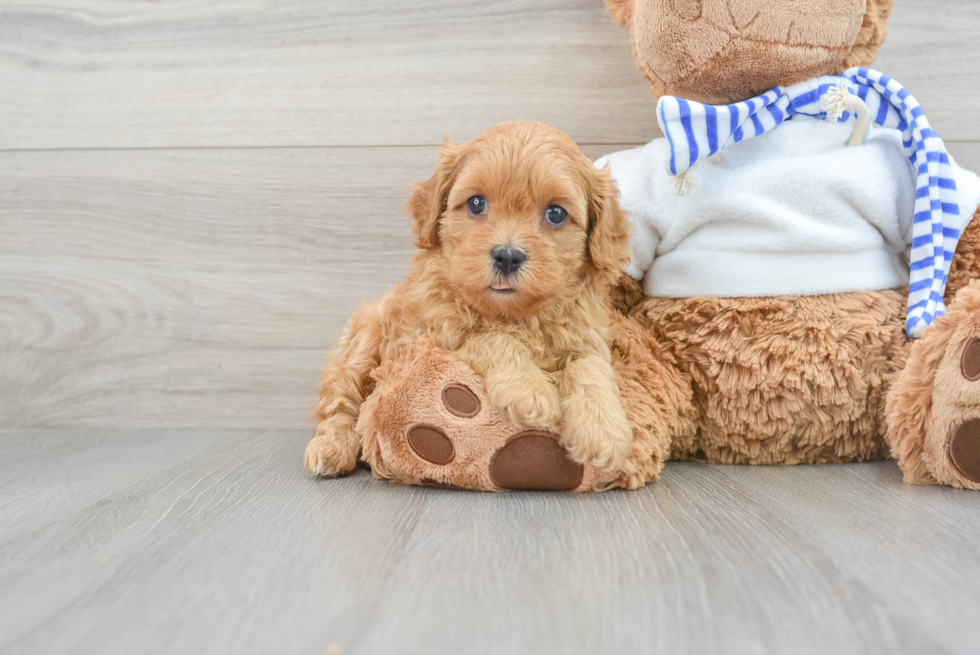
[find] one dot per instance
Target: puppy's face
(514, 232)
(521, 219)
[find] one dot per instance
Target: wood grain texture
(344, 72)
(95, 74)
(193, 541)
(195, 287)
(159, 288)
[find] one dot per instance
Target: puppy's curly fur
(542, 345)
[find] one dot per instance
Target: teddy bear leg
(429, 422)
(933, 406)
(933, 402)
(658, 401)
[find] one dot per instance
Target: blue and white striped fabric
(696, 131)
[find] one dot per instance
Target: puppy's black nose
(507, 259)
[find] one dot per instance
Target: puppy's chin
(505, 300)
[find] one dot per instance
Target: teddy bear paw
(530, 459)
(963, 444)
(933, 407)
(432, 423)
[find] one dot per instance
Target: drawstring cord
(838, 100)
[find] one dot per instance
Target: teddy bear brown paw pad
(429, 422)
(431, 443)
(963, 449)
(535, 460)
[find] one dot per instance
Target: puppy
(520, 240)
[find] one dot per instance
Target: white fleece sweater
(790, 212)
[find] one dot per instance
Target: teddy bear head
(724, 51)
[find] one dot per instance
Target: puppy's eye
(555, 215)
(476, 206)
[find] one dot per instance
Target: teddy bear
(804, 278)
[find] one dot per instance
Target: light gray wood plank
(347, 72)
(177, 541)
(189, 287)
(932, 49)
(195, 288)
(926, 533)
(87, 73)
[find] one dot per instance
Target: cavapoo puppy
(520, 240)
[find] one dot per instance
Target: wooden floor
(195, 194)
(207, 541)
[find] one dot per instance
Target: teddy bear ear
(621, 11)
(429, 199)
(874, 29)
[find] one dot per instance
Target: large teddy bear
(767, 309)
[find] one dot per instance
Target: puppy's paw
(603, 439)
(328, 454)
(532, 402)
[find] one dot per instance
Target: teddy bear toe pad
(970, 360)
(460, 400)
(431, 444)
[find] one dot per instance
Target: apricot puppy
(520, 239)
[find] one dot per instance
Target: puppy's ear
(609, 232)
(428, 202)
(621, 11)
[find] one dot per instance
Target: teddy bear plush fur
(771, 380)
